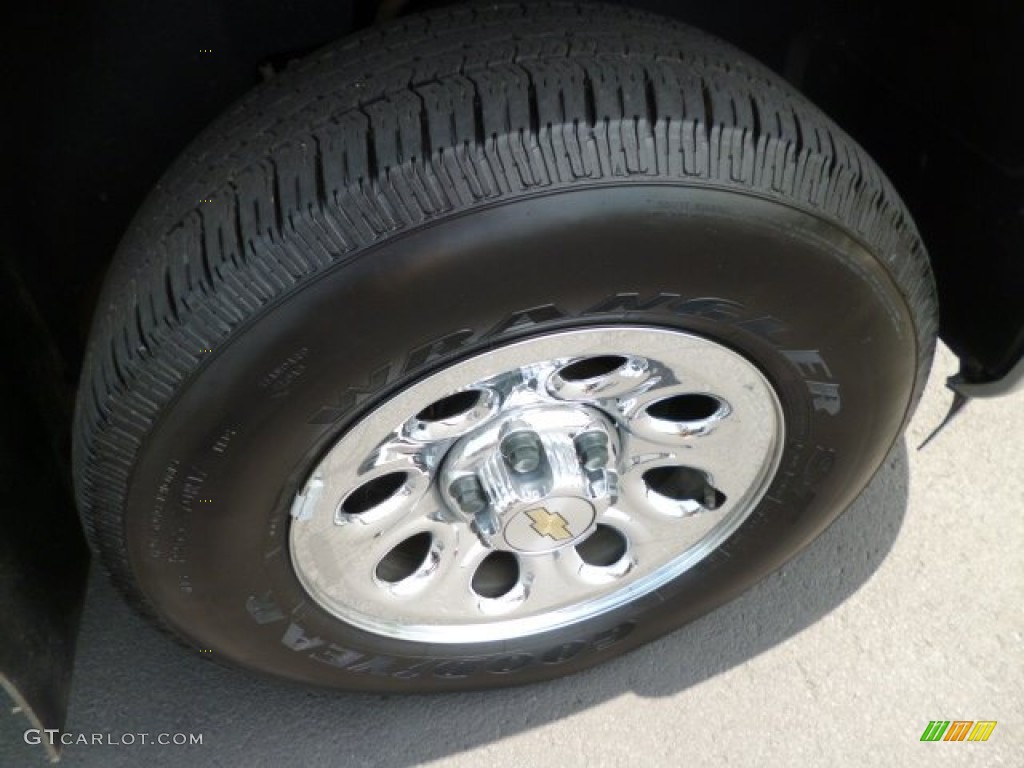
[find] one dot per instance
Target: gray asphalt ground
(907, 610)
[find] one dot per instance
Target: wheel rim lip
(593, 342)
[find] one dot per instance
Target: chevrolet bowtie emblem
(550, 524)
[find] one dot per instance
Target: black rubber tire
(436, 187)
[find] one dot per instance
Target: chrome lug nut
(522, 451)
(469, 494)
(486, 523)
(592, 449)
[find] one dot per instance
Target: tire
(439, 190)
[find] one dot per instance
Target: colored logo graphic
(550, 524)
(958, 730)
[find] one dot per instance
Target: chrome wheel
(536, 485)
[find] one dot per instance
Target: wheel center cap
(557, 522)
(536, 480)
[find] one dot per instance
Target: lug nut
(469, 494)
(522, 451)
(592, 449)
(486, 522)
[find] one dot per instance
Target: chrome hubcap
(536, 485)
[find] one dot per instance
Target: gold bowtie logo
(550, 524)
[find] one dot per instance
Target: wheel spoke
(633, 521)
(651, 535)
(361, 546)
(552, 578)
(448, 589)
(640, 453)
(717, 452)
(398, 454)
(442, 584)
